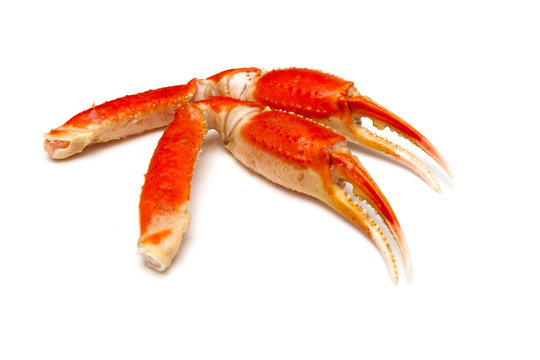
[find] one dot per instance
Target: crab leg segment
(118, 118)
(163, 207)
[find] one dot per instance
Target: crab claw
(361, 106)
(302, 155)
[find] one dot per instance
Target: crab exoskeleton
(290, 125)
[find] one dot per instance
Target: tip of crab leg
(364, 106)
(346, 168)
(151, 260)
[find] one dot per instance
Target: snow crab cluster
(289, 125)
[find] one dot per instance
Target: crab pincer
(287, 149)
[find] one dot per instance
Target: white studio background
(265, 273)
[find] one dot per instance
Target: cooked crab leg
(293, 152)
(163, 207)
(118, 118)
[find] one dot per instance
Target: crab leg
(118, 118)
(293, 152)
(163, 207)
